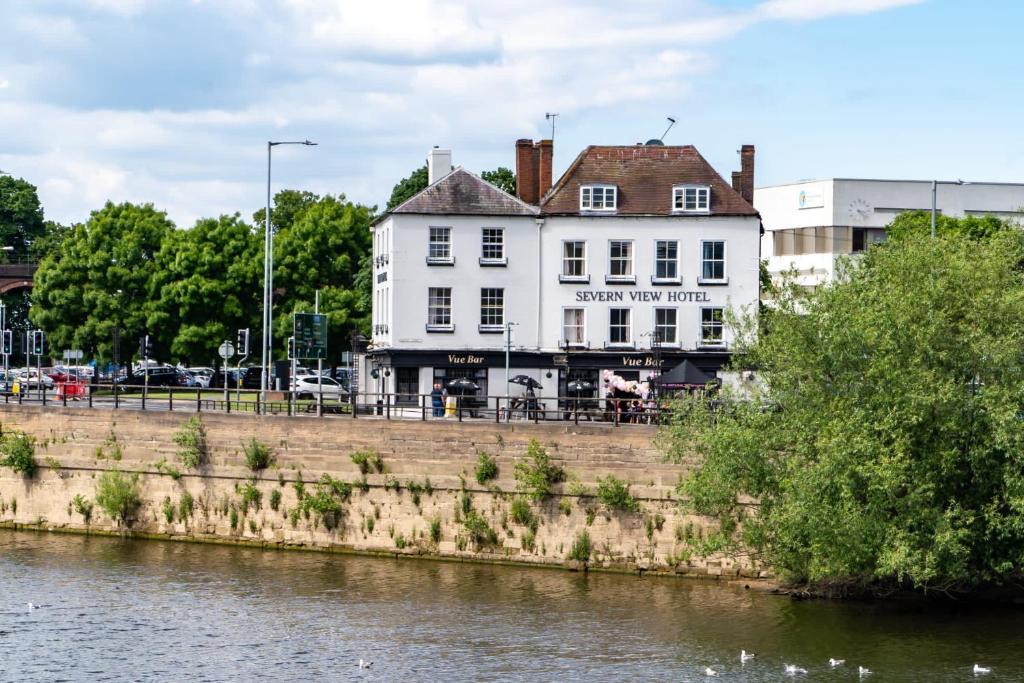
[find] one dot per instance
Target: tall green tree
(328, 247)
(502, 178)
(919, 223)
(887, 445)
(208, 284)
(408, 187)
(21, 217)
(100, 280)
(288, 205)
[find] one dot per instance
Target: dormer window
(691, 198)
(598, 198)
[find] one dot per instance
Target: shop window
(407, 386)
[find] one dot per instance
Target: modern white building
(808, 224)
(627, 264)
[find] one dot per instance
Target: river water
(115, 610)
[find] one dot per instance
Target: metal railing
(387, 406)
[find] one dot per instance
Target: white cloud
(817, 9)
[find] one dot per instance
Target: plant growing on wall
(581, 549)
(480, 532)
(191, 439)
(614, 494)
(118, 495)
(258, 455)
(19, 453)
(535, 474)
(486, 469)
(82, 506)
(185, 506)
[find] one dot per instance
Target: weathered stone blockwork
(74, 446)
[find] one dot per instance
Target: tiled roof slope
(645, 175)
(462, 193)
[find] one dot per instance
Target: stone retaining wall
(74, 447)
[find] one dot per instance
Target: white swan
(836, 662)
(364, 664)
(792, 669)
(708, 671)
(861, 671)
(978, 670)
(746, 656)
(32, 607)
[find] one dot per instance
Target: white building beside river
(628, 263)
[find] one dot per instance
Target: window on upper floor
(439, 249)
(712, 327)
(620, 327)
(574, 326)
(439, 309)
(712, 262)
(666, 328)
(492, 247)
(691, 198)
(598, 197)
(620, 261)
(492, 309)
(574, 262)
(666, 261)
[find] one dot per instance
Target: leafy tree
(208, 284)
(287, 207)
(21, 216)
(408, 187)
(919, 223)
(502, 178)
(887, 445)
(100, 279)
(327, 248)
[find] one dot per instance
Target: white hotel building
(627, 263)
(808, 224)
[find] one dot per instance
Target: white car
(30, 379)
(202, 375)
(307, 387)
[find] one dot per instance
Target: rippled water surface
(118, 610)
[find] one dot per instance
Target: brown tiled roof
(644, 175)
(462, 193)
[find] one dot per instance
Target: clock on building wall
(858, 210)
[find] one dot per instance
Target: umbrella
(526, 381)
(462, 386)
(684, 375)
(578, 386)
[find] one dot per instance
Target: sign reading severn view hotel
(655, 296)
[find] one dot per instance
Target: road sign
(73, 354)
(310, 330)
(226, 350)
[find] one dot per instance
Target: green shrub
(370, 523)
(172, 472)
(19, 453)
(529, 540)
(435, 530)
(399, 541)
(565, 506)
(82, 506)
(275, 499)
(362, 484)
(251, 495)
(337, 487)
(362, 460)
(536, 474)
(428, 488)
(521, 512)
(614, 494)
(391, 482)
(300, 490)
(233, 518)
(486, 468)
(191, 439)
(118, 495)
(293, 517)
(258, 455)
(466, 503)
(168, 509)
(185, 506)
(480, 532)
(415, 489)
(377, 462)
(580, 550)
(576, 488)
(252, 526)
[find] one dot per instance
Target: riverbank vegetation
(884, 448)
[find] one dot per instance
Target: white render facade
(633, 286)
(809, 224)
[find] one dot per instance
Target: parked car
(310, 387)
(202, 375)
(158, 377)
(30, 378)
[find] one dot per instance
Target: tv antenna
(671, 122)
(548, 116)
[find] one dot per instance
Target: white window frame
(565, 341)
(674, 280)
(724, 280)
(488, 307)
(565, 277)
(439, 260)
(628, 277)
(701, 199)
(587, 197)
(486, 260)
(434, 326)
(675, 326)
(629, 328)
(704, 341)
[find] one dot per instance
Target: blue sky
(172, 101)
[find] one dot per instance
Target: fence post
(355, 404)
(89, 390)
(423, 407)
(170, 399)
(144, 391)
(228, 403)
(387, 406)
(44, 389)
(615, 407)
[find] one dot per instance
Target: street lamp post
(268, 272)
(508, 353)
(935, 187)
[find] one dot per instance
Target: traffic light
(243, 342)
(38, 342)
(145, 347)
(8, 343)
(291, 348)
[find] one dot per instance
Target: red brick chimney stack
(533, 169)
(743, 180)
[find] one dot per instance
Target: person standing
(437, 400)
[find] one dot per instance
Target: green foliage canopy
(887, 446)
(502, 178)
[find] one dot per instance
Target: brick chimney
(743, 179)
(533, 169)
